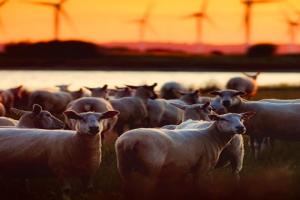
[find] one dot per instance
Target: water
(41, 79)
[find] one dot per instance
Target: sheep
(147, 155)
(133, 110)
(268, 120)
(187, 98)
(170, 90)
(232, 154)
(2, 110)
(63, 87)
(37, 118)
(122, 92)
(63, 153)
(55, 101)
(13, 96)
(244, 84)
(86, 104)
(99, 91)
(191, 114)
(195, 111)
(7, 122)
(162, 113)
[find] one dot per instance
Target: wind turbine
(248, 16)
(59, 12)
(200, 16)
(144, 24)
(293, 27)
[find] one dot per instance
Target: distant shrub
(262, 50)
(216, 53)
(53, 49)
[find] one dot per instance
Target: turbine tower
(59, 12)
(143, 24)
(248, 16)
(293, 27)
(200, 17)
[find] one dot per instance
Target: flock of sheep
(174, 139)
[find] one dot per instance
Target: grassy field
(275, 176)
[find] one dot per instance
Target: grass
(275, 176)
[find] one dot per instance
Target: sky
(108, 21)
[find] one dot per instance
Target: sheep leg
(236, 166)
(66, 188)
(87, 183)
(252, 145)
(258, 148)
(138, 186)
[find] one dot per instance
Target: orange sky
(106, 20)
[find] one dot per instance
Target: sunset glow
(107, 21)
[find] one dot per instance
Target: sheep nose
(240, 129)
(226, 103)
(94, 130)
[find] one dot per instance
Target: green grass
(276, 175)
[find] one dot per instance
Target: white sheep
(246, 84)
(274, 120)
(92, 104)
(63, 153)
(162, 113)
(37, 118)
(101, 92)
(197, 116)
(186, 98)
(170, 90)
(7, 122)
(55, 101)
(146, 156)
(133, 110)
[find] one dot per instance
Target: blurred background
(209, 35)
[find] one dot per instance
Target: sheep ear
(182, 107)
(109, 114)
(153, 86)
(70, 114)
(214, 117)
(37, 109)
(132, 87)
(205, 105)
(248, 115)
(105, 87)
(181, 93)
(216, 93)
(239, 93)
(196, 92)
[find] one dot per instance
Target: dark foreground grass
(275, 176)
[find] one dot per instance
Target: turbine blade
(3, 3)
(134, 21)
(148, 11)
(190, 16)
(209, 20)
(62, 2)
(266, 1)
(152, 29)
(67, 17)
(204, 5)
(42, 3)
